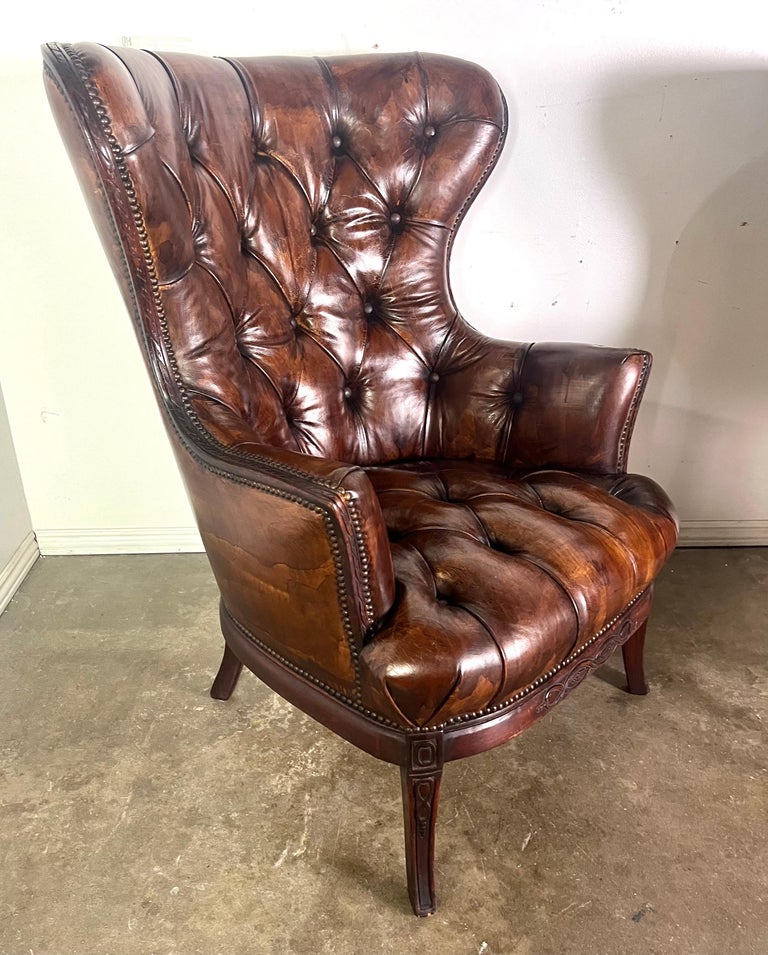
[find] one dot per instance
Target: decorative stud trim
(570, 682)
(300, 671)
(248, 457)
(521, 694)
(626, 431)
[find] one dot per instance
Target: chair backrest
(293, 219)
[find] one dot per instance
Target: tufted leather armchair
(423, 537)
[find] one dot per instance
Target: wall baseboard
(723, 533)
(119, 540)
(186, 540)
(13, 574)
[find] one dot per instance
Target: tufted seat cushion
(500, 575)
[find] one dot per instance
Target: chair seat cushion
(500, 575)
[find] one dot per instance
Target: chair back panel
(300, 214)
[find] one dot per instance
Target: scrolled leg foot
(632, 652)
(421, 790)
(227, 677)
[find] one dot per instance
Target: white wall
(639, 146)
(18, 549)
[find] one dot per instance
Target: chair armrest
(545, 405)
(298, 547)
(577, 407)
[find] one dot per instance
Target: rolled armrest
(576, 407)
(297, 545)
(545, 405)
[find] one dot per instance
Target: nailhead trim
(330, 530)
(125, 176)
(357, 525)
(122, 169)
(336, 694)
(456, 720)
(625, 431)
(545, 677)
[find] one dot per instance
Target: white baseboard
(186, 540)
(723, 533)
(119, 540)
(13, 574)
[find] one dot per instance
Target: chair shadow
(691, 151)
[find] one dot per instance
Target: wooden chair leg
(227, 677)
(421, 790)
(632, 651)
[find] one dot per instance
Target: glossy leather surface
(501, 575)
(413, 515)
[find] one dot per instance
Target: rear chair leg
(227, 677)
(421, 790)
(632, 651)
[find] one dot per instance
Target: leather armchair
(423, 537)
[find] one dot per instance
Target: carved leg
(226, 678)
(632, 651)
(421, 789)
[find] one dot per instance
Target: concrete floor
(140, 816)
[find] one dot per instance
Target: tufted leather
(502, 575)
(420, 518)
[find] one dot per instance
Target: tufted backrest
(299, 214)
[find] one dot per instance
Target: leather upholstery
(502, 575)
(419, 518)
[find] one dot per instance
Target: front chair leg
(227, 677)
(421, 790)
(632, 651)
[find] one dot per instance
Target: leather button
(395, 219)
(517, 398)
(434, 376)
(347, 392)
(313, 230)
(294, 323)
(337, 142)
(429, 131)
(368, 308)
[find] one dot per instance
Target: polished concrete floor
(140, 816)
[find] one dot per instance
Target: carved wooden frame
(422, 753)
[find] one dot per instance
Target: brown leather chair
(423, 537)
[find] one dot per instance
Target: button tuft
(368, 308)
(395, 219)
(434, 376)
(347, 392)
(337, 142)
(429, 131)
(517, 398)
